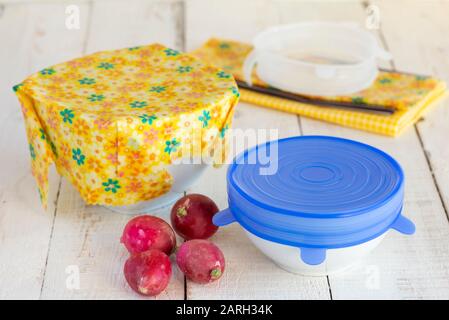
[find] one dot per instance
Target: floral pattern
(223, 75)
(96, 97)
(235, 91)
(32, 152)
(407, 95)
(224, 45)
(105, 66)
(223, 131)
(111, 185)
(157, 89)
(112, 129)
(17, 87)
(184, 69)
(171, 52)
(67, 115)
(147, 119)
(87, 81)
(138, 104)
(43, 135)
(48, 71)
(78, 156)
(394, 90)
(171, 145)
(204, 118)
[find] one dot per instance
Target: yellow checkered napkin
(408, 95)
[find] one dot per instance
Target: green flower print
(171, 145)
(16, 87)
(204, 118)
(43, 136)
(147, 119)
(78, 156)
(223, 131)
(420, 78)
(184, 69)
(223, 75)
(67, 115)
(157, 89)
(138, 104)
(87, 81)
(32, 152)
(95, 97)
(50, 143)
(385, 81)
(171, 52)
(134, 48)
(111, 185)
(105, 66)
(53, 148)
(358, 100)
(235, 91)
(48, 71)
(224, 45)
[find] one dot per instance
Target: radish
(148, 273)
(200, 260)
(148, 232)
(191, 217)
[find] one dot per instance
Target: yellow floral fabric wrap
(112, 121)
(408, 95)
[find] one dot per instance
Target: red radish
(149, 272)
(200, 260)
(148, 232)
(191, 217)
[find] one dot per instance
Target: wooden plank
(402, 267)
(117, 25)
(249, 274)
(86, 238)
(426, 52)
(236, 20)
(25, 229)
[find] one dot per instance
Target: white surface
(316, 58)
(42, 247)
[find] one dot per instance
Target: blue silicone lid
(315, 193)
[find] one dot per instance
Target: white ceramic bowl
(329, 204)
(337, 260)
(184, 176)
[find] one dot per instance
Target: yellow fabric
(112, 121)
(408, 95)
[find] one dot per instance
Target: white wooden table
(41, 252)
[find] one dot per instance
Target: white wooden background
(37, 249)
